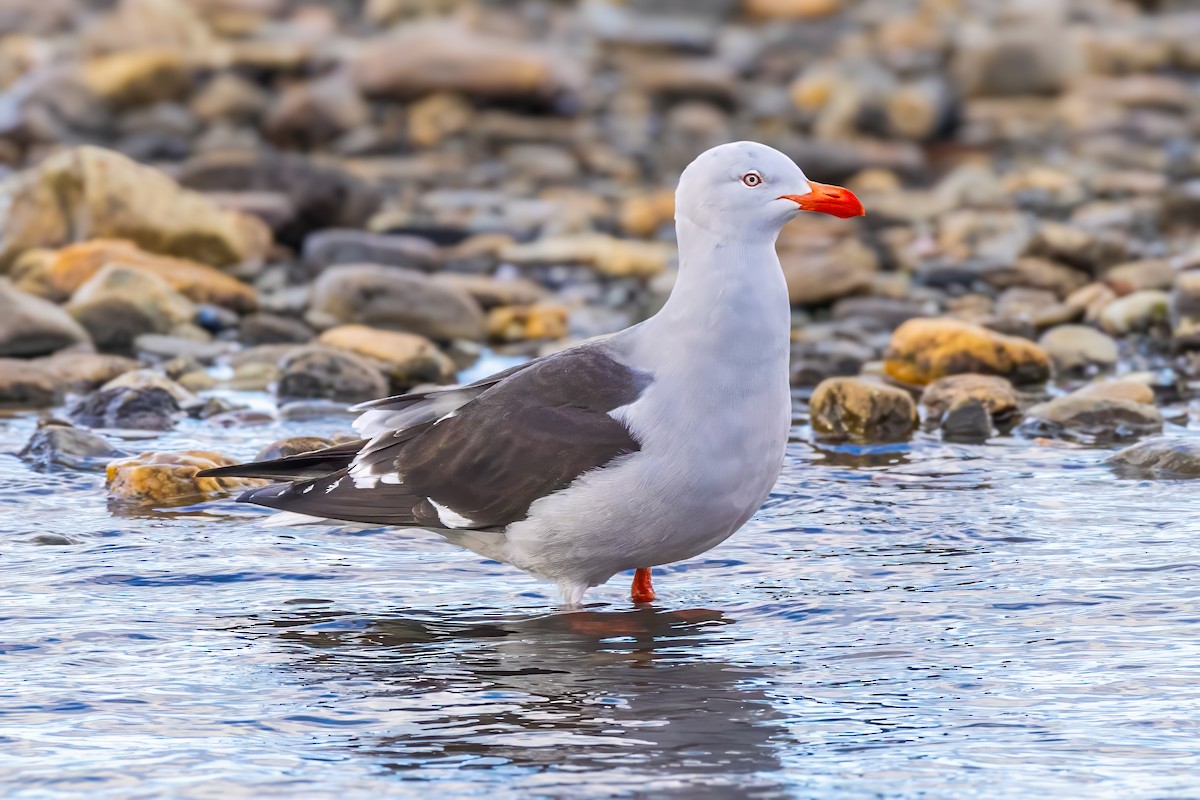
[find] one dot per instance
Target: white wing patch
(449, 517)
(286, 518)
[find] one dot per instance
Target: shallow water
(919, 620)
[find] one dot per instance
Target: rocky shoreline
(332, 202)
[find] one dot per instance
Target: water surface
(917, 620)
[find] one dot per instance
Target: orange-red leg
(643, 590)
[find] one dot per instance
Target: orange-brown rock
(171, 477)
(58, 276)
(643, 214)
(137, 76)
(924, 349)
(521, 323)
(406, 358)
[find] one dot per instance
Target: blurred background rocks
(333, 200)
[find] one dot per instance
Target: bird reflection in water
(634, 701)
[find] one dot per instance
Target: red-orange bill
(827, 199)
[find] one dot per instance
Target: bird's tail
(302, 466)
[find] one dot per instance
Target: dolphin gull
(646, 447)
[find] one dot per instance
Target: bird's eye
(752, 179)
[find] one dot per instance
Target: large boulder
(861, 410)
(31, 326)
(406, 358)
(924, 349)
(397, 299)
(171, 478)
(88, 192)
(120, 303)
(59, 275)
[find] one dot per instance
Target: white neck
(730, 301)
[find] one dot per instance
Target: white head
(745, 188)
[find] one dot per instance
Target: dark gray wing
(387, 420)
(482, 465)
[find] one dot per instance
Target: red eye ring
(752, 179)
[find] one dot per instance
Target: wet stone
(65, 446)
(1166, 457)
(994, 394)
(291, 446)
(1092, 420)
(861, 410)
(967, 421)
(170, 478)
